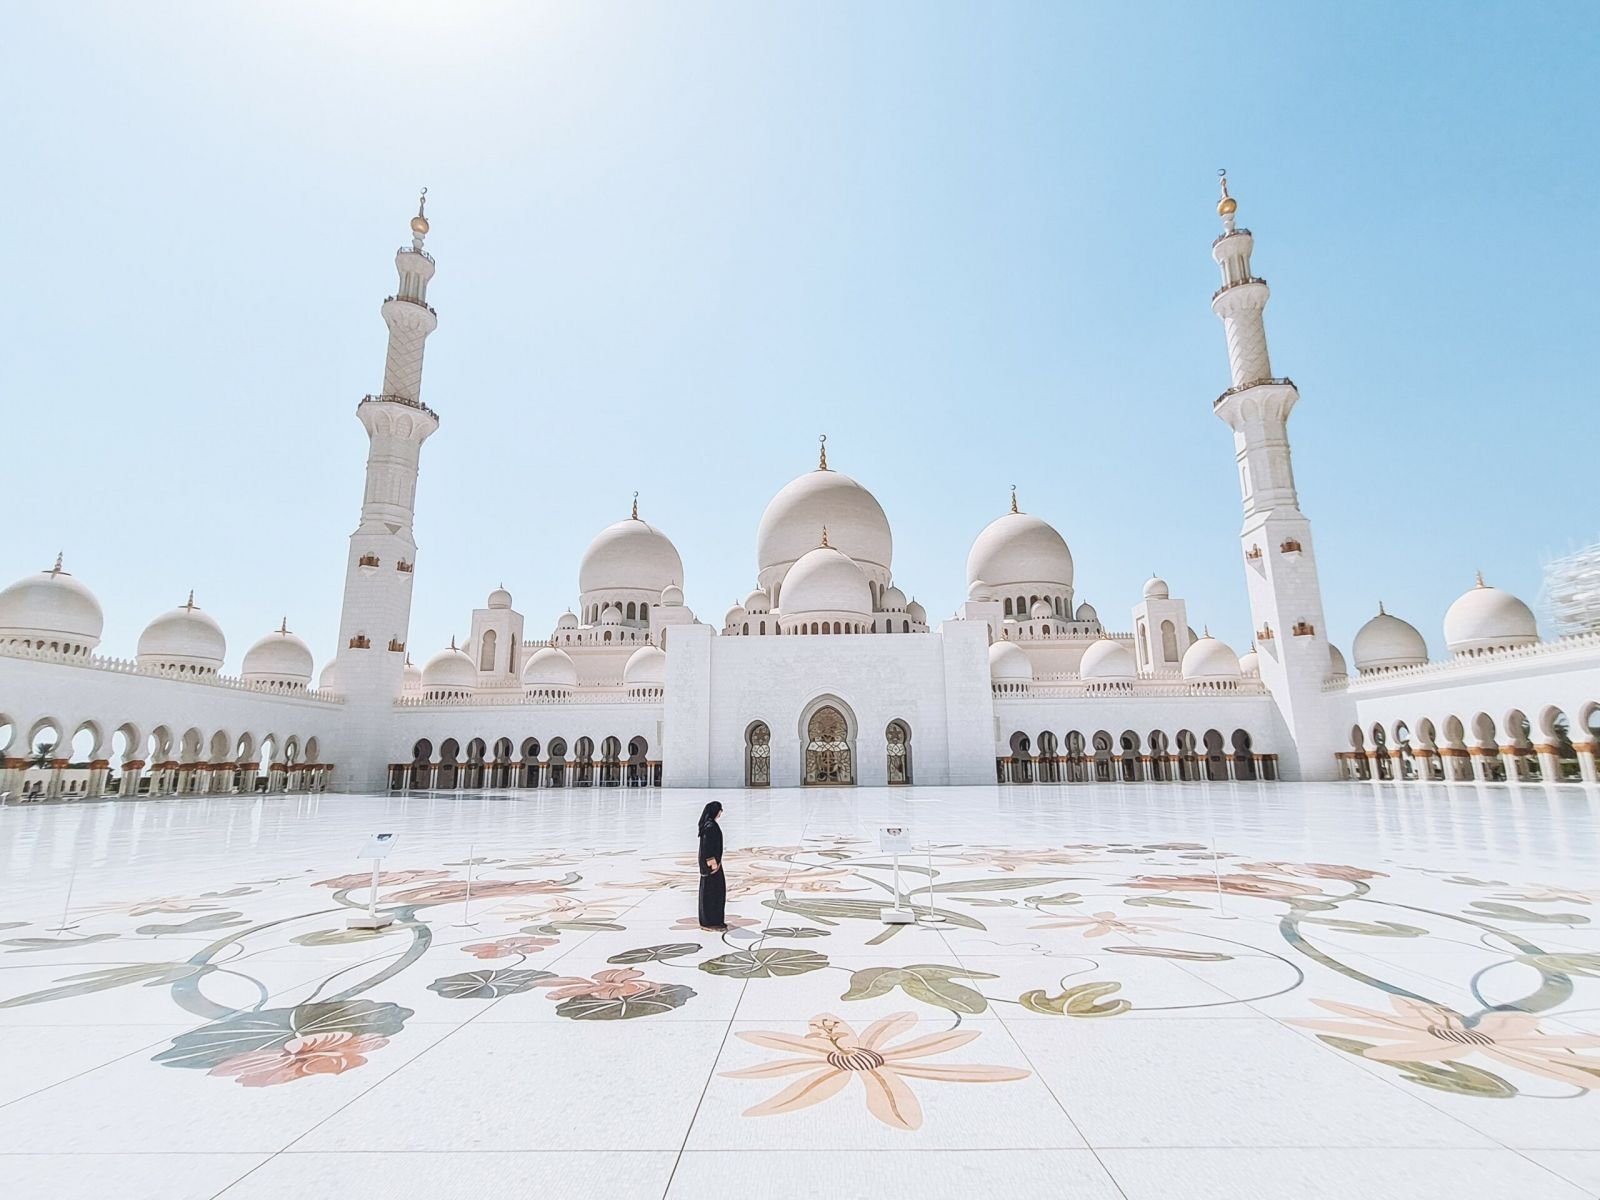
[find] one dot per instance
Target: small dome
(1086, 612)
(825, 580)
(631, 554)
(1041, 610)
(1250, 663)
(891, 599)
(185, 638)
(1336, 664)
(499, 598)
(328, 681)
(1210, 659)
(450, 670)
(647, 665)
(917, 613)
(978, 590)
(1486, 618)
(550, 668)
(733, 616)
(51, 605)
(410, 677)
(758, 603)
(280, 658)
(672, 596)
(1106, 659)
(1009, 664)
(611, 615)
(855, 520)
(1384, 642)
(1020, 548)
(567, 620)
(1155, 588)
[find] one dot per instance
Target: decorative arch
(827, 743)
(757, 755)
(898, 739)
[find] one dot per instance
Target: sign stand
(378, 845)
(931, 917)
(466, 909)
(895, 840)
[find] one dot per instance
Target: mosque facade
(828, 672)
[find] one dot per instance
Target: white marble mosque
(828, 673)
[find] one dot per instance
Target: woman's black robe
(713, 884)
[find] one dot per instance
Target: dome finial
(1380, 608)
(452, 641)
(189, 603)
(1227, 205)
(283, 626)
(1205, 631)
(636, 506)
(1481, 583)
(825, 534)
(57, 569)
(1014, 507)
(822, 456)
(419, 223)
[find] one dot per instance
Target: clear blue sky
(676, 242)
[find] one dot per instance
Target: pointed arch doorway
(829, 745)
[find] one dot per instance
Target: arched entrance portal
(829, 757)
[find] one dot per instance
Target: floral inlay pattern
(831, 1054)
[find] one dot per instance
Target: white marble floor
(1139, 991)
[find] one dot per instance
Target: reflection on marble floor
(1301, 989)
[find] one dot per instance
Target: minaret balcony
(1247, 281)
(1232, 233)
(405, 400)
(423, 304)
(1284, 381)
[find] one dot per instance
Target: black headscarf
(708, 815)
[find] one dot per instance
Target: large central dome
(1019, 548)
(630, 555)
(797, 515)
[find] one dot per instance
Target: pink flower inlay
(317, 1054)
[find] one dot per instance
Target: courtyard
(1135, 990)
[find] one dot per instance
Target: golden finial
(1014, 507)
(284, 627)
(1481, 583)
(636, 506)
(825, 532)
(1205, 631)
(452, 641)
(1380, 608)
(419, 223)
(189, 604)
(1226, 206)
(822, 458)
(57, 569)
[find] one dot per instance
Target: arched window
(905, 626)
(763, 627)
(632, 610)
(1144, 646)
(486, 654)
(898, 736)
(747, 628)
(1169, 642)
(644, 611)
(758, 755)
(1008, 606)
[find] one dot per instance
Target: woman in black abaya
(713, 884)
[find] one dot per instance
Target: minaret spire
(1281, 563)
(822, 457)
(375, 621)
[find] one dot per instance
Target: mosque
(828, 673)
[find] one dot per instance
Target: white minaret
(1279, 557)
(376, 617)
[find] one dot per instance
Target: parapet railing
(128, 666)
(1476, 662)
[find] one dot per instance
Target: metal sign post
(378, 845)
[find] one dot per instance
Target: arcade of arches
(555, 764)
(1549, 747)
(1131, 758)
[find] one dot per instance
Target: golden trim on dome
(1226, 206)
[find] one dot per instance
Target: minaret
(1279, 556)
(376, 616)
